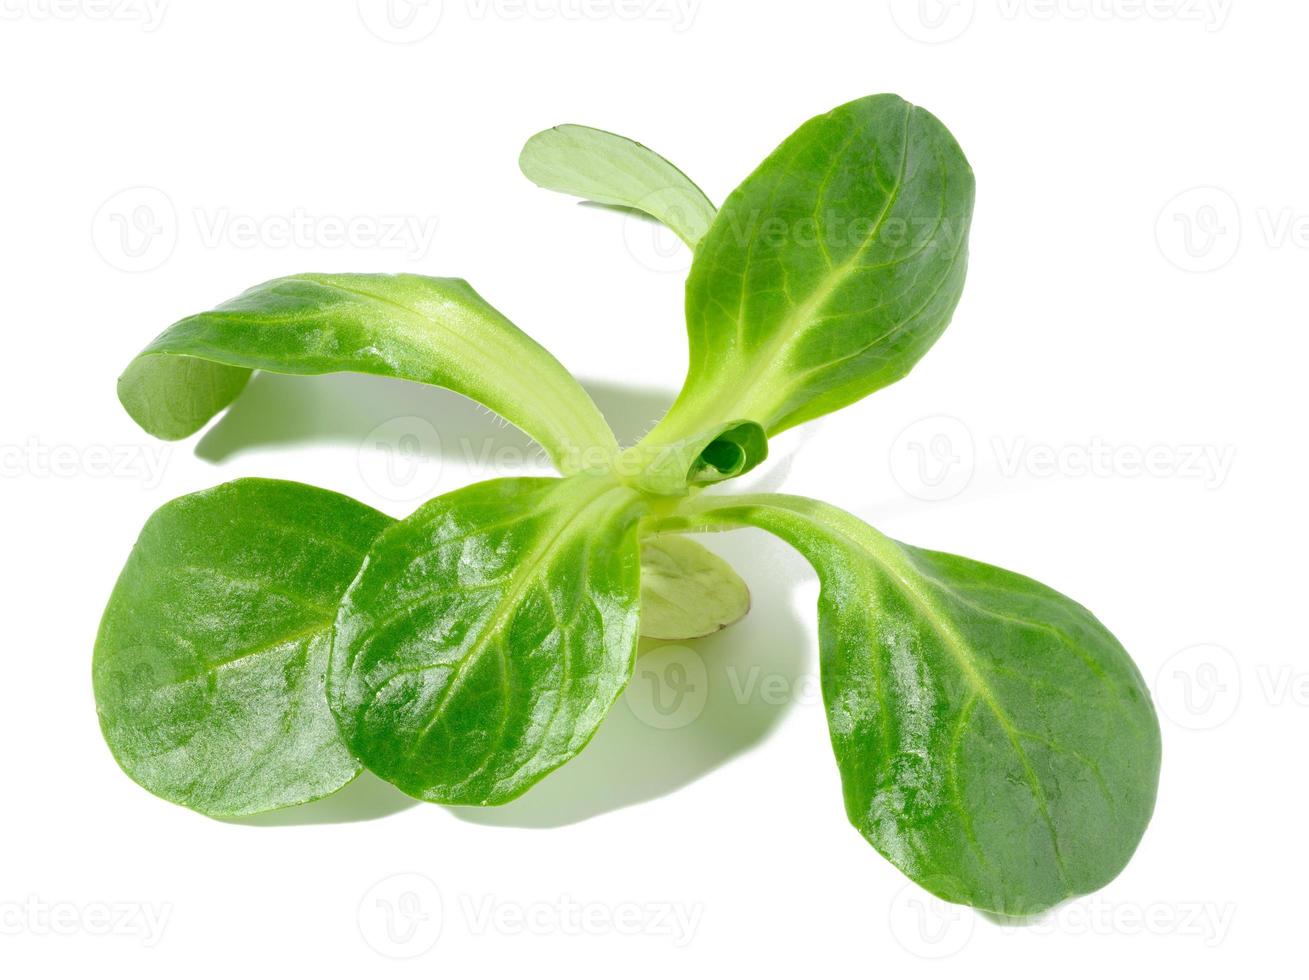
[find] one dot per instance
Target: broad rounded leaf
(434, 331)
(686, 590)
(488, 635)
(996, 743)
(620, 172)
(829, 272)
(211, 660)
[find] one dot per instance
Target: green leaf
(487, 636)
(435, 331)
(828, 273)
(614, 170)
(686, 590)
(210, 663)
(697, 460)
(995, 742)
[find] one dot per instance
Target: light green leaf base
(686, 590)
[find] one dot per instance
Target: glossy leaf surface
(829, 272)
(995, 742)
(687, 591)
(609, 169)
(487, 636)
(211, 660)
(435, 331)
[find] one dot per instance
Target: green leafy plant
(267, 640)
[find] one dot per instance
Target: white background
(1114, 314)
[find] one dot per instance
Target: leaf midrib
(890, 558)
(504, 607)
(766, 359)
(895, 565)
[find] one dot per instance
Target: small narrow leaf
(210, 664)
(614, 170)
(995, 742)
(686, 590)
(434, 331)
(488, 635)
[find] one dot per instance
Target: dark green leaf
(211, 659)
(435, 331)
(995, 741)
(487, 636)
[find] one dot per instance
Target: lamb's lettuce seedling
(267, 639)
